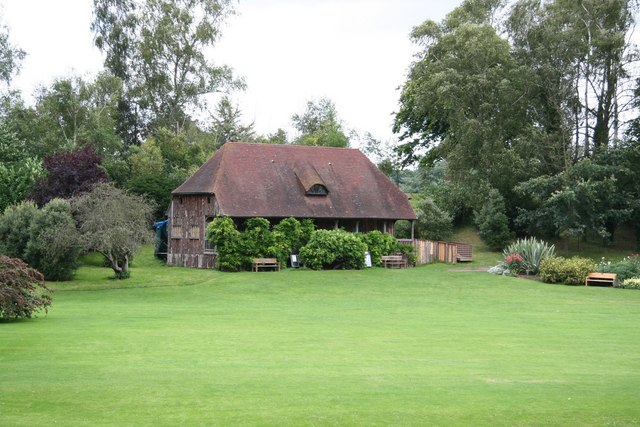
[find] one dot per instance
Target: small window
(208, 246)
(317, 190)
(194, 232)
(176, 231)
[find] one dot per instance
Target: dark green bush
(379, 244)
(570, 271)
(627, 268)
(54, 242)
(410, 252)
(492, 222)
(15, 223)
(333, 249)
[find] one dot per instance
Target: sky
(354, 52)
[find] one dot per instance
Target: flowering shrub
(515, 263)
(633, 283)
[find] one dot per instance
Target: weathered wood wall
(428, 251)
(188, 216)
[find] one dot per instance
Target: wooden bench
(262, 263)
(465, 253)
(393, 261)
(601, 279)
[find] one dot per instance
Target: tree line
(527, 114)
(143, 123)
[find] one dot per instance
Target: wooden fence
(431, 250)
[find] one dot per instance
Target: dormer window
(317, 190)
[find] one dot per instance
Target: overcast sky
(355, 52)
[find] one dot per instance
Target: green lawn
(422, 346)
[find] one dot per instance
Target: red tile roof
(264, 180)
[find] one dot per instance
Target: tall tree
(465, 100)
(580, 53)
(158, 48)
(227, 126)
(69, 174)
(10, 56)
(319, 125)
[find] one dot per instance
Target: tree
(492, 222)
(581, 55)
(319, 125)
(18, 170)
(384, 155)
(113, 223)
(69, 174)
(158, 48)
(10, 56)
(433, 223)
(54, 245)
(580, 202)
(227, 126)
(22, 290)
(465, 100)
(15, 223)
(278, 137)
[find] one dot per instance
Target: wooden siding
(428, 251)
(187, 223)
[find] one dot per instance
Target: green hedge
(333, 249)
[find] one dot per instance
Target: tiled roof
(265, 180)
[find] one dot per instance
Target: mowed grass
(422, 346)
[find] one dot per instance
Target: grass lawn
(422, 346)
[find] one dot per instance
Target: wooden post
(357, 226)
(336, 226)
(413, 228)
(384, 226)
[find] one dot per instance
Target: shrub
(532, 251)
(571, 271)
(627, 268)
(632, 283)
(22, 289)
(15, 223)
(333, 249)
(500, 269)
(54, 242)
(492, 223)
(379, 244)
(410, 252)
(294, 234)
(433, 223)
(223, 233)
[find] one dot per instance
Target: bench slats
(606, 278)
(261, 263)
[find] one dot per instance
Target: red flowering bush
(515, 263)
